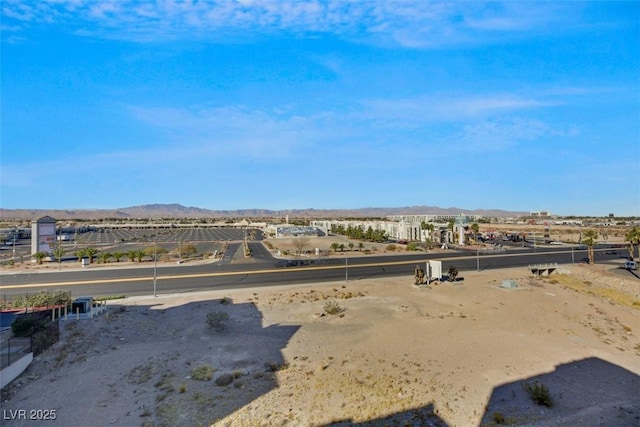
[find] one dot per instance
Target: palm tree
(80, 253)
(104, 257)
(58, 252)
(39, 256)
(117, 256)
(132, 254)
(475, 228)
(451, 226)
(91, 253)
(633, 237)
(589, 238)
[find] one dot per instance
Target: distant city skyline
(226, 105)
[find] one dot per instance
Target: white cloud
(496, 135)
(234, 131)
(405, 23)
(447, 107)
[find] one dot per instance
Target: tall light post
(155, 264)
(477, 254)
(13, 258)
(346, 268)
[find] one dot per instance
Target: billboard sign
(46, 237)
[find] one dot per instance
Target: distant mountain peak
(176, 210)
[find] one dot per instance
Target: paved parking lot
(205, 240)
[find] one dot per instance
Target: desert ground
(363, 352)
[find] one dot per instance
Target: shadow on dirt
(587, 392)
(189, 364)
(423, 417)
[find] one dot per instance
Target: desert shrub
(539, 393)
(226, 300)
(413, 246)
(332, 307)
(110, 297)
(26, 324)
(140, 374)
(42, 299)
(272, 366)
(391, 247)
(498, 418)
(217, 320)
(224, 380)
(202, 373)
(183, 388)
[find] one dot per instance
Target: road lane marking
(234, 273)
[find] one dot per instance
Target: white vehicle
(630, 265)
(555, 243)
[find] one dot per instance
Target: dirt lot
(369, 352)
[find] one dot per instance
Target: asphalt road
(236, 272)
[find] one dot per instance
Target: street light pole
(477, 254)
(346, 268)
(155, 265)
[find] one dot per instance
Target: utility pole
(346, 268)
(155, 264)
(14, 245)
(477, 254)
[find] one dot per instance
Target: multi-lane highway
(234, 271)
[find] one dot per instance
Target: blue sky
(321, 104)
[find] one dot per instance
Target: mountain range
(179, 211)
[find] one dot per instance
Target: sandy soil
(453, 354)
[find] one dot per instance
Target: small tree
(104, 257)
(139, 254)
(335, 246)
(91, 253)
(59, 252)
(300, 243)
(633, 237)
(39, 256)
(80, 253)
(132, 255)
(360, 246)
(476, 229)
(154, 251)
(351, 245)
(589, 238)
(186, 250)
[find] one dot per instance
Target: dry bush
(217, 320)
(202, 373)
(332, 307)
(539, 393)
